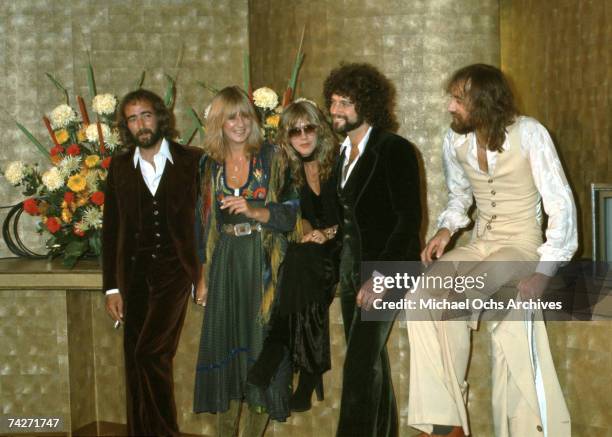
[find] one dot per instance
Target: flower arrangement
(68, 196)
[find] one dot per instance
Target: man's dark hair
(489, 100)
(372, 93)
(165, 118)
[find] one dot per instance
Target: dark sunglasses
(297, 131)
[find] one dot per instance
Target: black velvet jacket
(388, 207)
(121, 221)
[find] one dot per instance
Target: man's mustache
(144, 131)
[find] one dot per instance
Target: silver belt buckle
(242, 229)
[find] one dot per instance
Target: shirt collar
(164, 151)
(470, 140)
(346, 144)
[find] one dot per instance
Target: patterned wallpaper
(556, 54)
(416, 43)
(198, 40)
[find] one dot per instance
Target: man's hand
(532, 287)
(367, 295)
(114, 306)
(435, 246)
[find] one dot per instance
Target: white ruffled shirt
(537, 146)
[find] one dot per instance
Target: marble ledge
(27, 274)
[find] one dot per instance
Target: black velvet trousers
(155, 307)
(368, 406)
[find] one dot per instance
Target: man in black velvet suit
(149, 255)
(380, 219)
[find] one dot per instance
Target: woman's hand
(239, 205)
(201, 291)
(236, 205)
(315, 236)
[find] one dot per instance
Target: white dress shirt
(346, 149)
(537, 146)
(151, 175)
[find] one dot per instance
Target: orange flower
(53, 224)
(97, 198)
(30, 206)
(62, 136)
(73, 150)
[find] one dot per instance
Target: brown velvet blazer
(121, 221)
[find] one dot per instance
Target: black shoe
(261, 373)
(301, 399)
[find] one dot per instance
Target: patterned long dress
(241, 272)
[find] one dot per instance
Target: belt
(241, 229)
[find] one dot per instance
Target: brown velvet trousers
(155, 307)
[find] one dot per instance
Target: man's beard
(348, 126)
(154, 137)
(461, 126)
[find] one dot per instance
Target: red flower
(260, 193)
(53, 225)
(98, 198)
(73, 150)
(78, 232)
(56, 150)
(106, 162)
(69, 197)
(30, 206)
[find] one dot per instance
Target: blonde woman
(246, 208)
(300, 321)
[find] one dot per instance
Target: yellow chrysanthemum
(273, 120)
(81, 135)
(62, 136)
(66, 215)
(77, 183)
(92, 160)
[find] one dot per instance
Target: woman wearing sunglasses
(300, 319)
(248, 210)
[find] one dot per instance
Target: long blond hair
(228, 102)
(326, 150)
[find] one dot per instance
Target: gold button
(493, 192)
(493, 204)
(489, 227)
(539, 428)
(491, 180)
(493, 217)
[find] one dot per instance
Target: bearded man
(380, 218)
(149, 255)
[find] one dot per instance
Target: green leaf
(170, 91)
(91, 82)
(141, 81)
(42, 149)
(207, 87)
(73, 251)
(60, 87)
(198, 123)
(95, 243)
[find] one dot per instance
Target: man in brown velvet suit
(149, 255)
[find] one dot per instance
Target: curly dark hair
(489, 100)
(372, 93)
(165, 118)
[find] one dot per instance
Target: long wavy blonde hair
(227, 103)
(326, 150)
